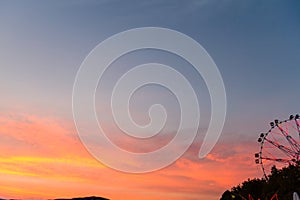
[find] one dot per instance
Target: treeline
(283, 182)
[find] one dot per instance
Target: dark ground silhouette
(85, 198)
(283, 182)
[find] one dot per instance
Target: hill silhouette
(283, 182)
(76, 198)
(84, 198)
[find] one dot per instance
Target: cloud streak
(43, 158)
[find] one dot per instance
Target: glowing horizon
(41, 173)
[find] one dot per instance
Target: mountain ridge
(83, 198)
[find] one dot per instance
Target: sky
(255, 45)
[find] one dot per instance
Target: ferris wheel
(280, 145)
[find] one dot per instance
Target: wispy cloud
(44, 158)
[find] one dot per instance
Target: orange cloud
(43, 158)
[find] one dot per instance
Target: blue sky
(255, 44)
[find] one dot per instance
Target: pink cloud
(44, 158)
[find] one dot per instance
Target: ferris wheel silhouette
(280, 145)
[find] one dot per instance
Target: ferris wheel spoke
(276, 159)
(294, 127)
(283, 148)
(298, 127)
(290, 139)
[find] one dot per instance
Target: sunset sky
(255, 44)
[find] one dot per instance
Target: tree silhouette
(283, 182)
